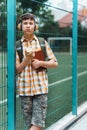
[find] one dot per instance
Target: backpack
(19, 47)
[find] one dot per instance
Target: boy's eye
(28, 23)
(25, 23)
(31, 23)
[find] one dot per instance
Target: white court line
(66, 79)
(60, 81)
(4, 101)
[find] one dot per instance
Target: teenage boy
(32, 83)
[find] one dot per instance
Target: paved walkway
(81, 124)
(72, 122)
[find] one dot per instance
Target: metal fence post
(74, 57)
(11, 27)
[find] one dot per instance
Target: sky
(66, 5)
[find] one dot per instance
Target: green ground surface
(60, 93)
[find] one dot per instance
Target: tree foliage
(46, 23)
(3, 25)
(32, 5)
(47, 26)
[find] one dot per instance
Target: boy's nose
(28, 25)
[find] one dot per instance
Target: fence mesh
(3, 67)
(60, 79)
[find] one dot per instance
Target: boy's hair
(28, 16)
(25, 17)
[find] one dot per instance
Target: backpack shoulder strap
(19, 49)
(42, 44)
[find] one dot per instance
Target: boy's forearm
(21, 66)
(49, 64)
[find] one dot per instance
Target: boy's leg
(26, 105)
(35, 128)
(39, 112)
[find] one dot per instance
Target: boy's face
(28, 26)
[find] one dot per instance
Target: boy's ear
(19, 26)
(36, 27)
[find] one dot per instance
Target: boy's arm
(46, 64)
(24, 63)
(49, 64)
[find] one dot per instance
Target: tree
(32, 5)
(47, 26)
(82, 38)
(3, 22)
